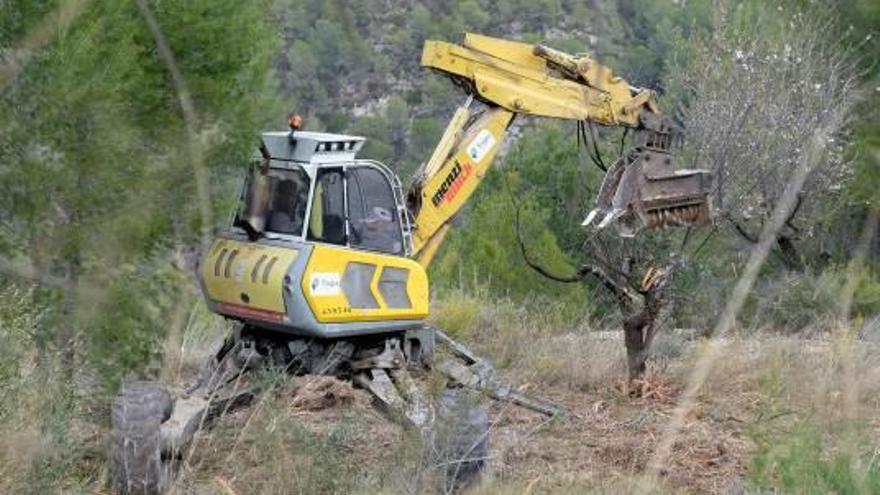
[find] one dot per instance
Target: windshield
(275, 201)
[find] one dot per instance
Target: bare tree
(642, 296)
(752, 97)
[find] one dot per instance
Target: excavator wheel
(136, 464)
(461, 439)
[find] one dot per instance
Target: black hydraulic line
(600, 162)
(595, 158)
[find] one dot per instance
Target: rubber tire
(136, 465)
(462, 439)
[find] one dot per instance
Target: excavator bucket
(644, 190)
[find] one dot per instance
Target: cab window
(327, 218)
(274, 201)
(289, 199)
(372, 211)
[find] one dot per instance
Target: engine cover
(313, 289)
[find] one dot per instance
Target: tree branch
(741, 230)
(794, 211)
(620, 291)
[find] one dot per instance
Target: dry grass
(762, 382)
(768, 400)
(313, 435)
(322, 436)
(763, 389)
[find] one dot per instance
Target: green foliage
(866, 298)
(651, 32)
(19, 16)
(800, 461)
(532, 190)
(95, 174)
(795, 301)
(378, 134)
(43, 449)
(20, 321)
(96, 188)
(130, 323)
(426, 132)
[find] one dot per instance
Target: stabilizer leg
(478, 374)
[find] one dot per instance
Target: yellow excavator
(323, 268)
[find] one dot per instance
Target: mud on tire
(461, 439)
(136, 464)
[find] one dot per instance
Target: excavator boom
(641, 190)
(540, 81)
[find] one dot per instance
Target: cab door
(357, 270)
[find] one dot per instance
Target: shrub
(793, 301)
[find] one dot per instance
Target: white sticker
(481, 145)
(325, 284)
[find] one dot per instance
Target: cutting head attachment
(643, 188)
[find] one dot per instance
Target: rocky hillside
(376, 45)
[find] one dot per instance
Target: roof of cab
(312, 147)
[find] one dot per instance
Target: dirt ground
(601, 444)
(607, 441)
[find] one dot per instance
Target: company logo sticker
(325, 284)
(453, 183)
(481, 145)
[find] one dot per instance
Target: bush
(866, 299)
(47, 427)
(794, 302)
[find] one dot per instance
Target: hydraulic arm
(641, 189)
(537, 80)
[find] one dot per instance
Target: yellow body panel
(247, 274)
(323, 279)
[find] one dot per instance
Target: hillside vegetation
(114, 173)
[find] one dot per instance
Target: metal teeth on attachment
(677, 216)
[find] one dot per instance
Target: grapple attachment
(643, 189)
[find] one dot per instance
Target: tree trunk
(634, 338)
(639, 327)
(638, 334)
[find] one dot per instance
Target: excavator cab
(353, 203)
(319, 246)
